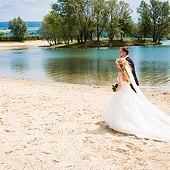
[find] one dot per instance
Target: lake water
(87, 66)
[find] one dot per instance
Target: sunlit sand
(60, 126)
(22, 45)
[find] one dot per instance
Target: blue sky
(35, 10)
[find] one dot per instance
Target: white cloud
(29, 10)
(35, 10)
(134, 4)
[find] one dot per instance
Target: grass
(106, 43)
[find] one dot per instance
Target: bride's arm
(120, 81)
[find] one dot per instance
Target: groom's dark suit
(133, 72)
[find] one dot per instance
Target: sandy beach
(22, 45)
(48, 126)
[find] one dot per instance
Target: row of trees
(83, 20)
(154, 19)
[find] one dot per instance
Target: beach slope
(60, 126)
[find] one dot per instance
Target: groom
(124, 52)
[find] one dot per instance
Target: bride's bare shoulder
(119, 73)
(120, 76)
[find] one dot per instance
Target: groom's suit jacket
(133, 72)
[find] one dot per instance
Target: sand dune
(60, 126)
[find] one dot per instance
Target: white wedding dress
(133, 113)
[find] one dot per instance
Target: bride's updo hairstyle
(121, 63)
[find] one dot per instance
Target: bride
(133, 113)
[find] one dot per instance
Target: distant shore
(60, 126)
(9, 45)
(12, 45)
(107, 43)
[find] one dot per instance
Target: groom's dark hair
(125, 49)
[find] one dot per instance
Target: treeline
(13, 38)
(154, 19)
(84, 20)
(19, 31)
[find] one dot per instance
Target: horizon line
(26, 21)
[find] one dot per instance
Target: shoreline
(143, 88)
(12, 45)
(107, 44)
(55, 125)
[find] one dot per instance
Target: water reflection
(19, 65)
(153, 73)
(80, 70)
(153, 67)
(86, 66)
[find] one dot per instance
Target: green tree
(1, 33)
(100, 16)
(125, 19)
(77, 17)
(112, 26)
(70, 12)
(82, 20)
(18, 28)
(160, 17)
(145, 24)
(86, 22)
(52, 28)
